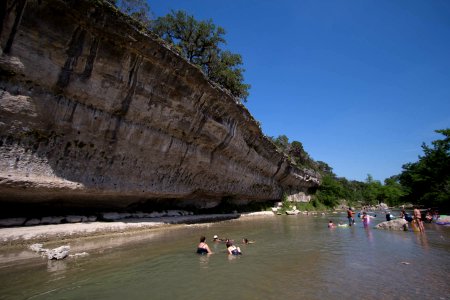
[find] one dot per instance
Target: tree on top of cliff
(295, 151)
(199, 42)
(137, 9)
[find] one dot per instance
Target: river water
(293, 257)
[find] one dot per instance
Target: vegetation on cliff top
(199, 42)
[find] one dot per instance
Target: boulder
(76, 219)
(32, 222)
(58, 253)
(111, 216)
(37, 248)
(51, 220)
(12, 222)
(174, 213)
(91, 219)
(156, 214)
(397, 224)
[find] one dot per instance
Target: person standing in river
(202, 247)
(351, 219)
(365, 219)
(418, 219)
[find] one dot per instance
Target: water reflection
(232, 257)
(369, 234)
(204, 259)
(422, 240)
(56, 266)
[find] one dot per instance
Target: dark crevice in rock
(20, 8)
(280, 163)
(90, 59)
(73, 52)
(226, 141)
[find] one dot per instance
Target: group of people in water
(416, 219)
(231, 248)
(365, 217)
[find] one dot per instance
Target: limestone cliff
(97, 112)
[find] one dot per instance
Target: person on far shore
(331, 224)
(232, 249)
(202, 247)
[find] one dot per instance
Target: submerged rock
(37, 248)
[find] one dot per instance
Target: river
(293, 257)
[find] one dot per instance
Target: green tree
(372, 191)
(295, 151)
(392, 191)
(225, 69)
(282, 142)
(330, 191)
(200, 43)
(324, 168)
(427, 181)
(137, 9)
(299, 154)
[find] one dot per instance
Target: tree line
(200, 42)
(425, 183)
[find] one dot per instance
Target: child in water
(331, 225)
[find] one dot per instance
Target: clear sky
(361, 83)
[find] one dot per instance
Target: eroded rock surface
(96, 112)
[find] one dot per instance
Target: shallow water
(294, 257)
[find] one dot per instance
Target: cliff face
(96, 112)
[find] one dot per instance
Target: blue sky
(361, 83)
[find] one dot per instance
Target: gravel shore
(52, 233)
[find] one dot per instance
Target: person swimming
(331, 224)
(232, 249)
(246, 241)
(202, 247)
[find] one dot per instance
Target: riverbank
(17, 236)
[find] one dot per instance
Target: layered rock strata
(97, 112)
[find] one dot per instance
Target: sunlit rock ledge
(96, 112)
